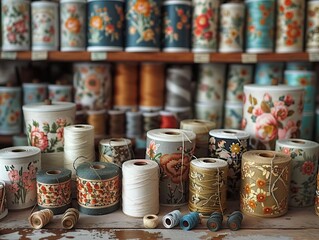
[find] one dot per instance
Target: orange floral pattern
(54, 195)
(312, 25)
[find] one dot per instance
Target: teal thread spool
(54, 190)
(189, 221)
(98, 188)
(234, 220)
(215, 221)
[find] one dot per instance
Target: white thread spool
(140, 187)
(150, 221)
(172, 219)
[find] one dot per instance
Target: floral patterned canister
(18, 169)
(312, 33)
(105, 25)
(299, 66)
(260, 26)
(73, 25)
(205, 24)
(210, 111)
(10, 110)
(268, 73)
(177, 15)
(290, 25)
(45, 23)
(60, 93)
(271, 113)
(303, 184)
(34, 92)
(233, 114)
(172, 149)
(232, 20)
(15, 25)
(143, 28)
(307, 125)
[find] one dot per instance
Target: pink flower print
(20, 26)
(289, 100)
(61, 122)
(39, 139)
(289, 131)
(286, 151)
(266, 127)
(151, 150)
(26, 177)
(13, 188)
(221, 143)
(11, 37)
(308, 168)
(14, 175)
(280, 111)
(59, 134)
(46, 39)
(257, 111)
(32, 170)
(243, 123)
(267, 97)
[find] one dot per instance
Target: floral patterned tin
(18, 169)
(312, 33)
(105, 25)
(60, 93)
(205, 25)
(210, 111)
(271, 113)
(73, 25)
(143, 28)
(303, 184)
(268, 73)
(15, 25)
(232, 20)
(45, 22)
(233, 114)
(290, 25)
(34, 92)
(307, 125)
(260, 26)
(299, 66)
(177, 16)
(10, 110)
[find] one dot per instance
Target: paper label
(201, 57)
(9, 55)
(98, 56)
(248, 58)
(39, 55)
(313, 57)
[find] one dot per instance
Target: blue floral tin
(105, 25)
(269, 73)
(299, 66)
(307, 125)
(34, 92)
(143, 30)
(260, 25)
(177, 26)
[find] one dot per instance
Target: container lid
(54, 106)
(272, 88)
(19, 152)
(229, 133)
(171, 135)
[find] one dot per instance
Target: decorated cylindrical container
(205, 25)
(34, 92)
(45, 26)
(290, 25)
(307, 128)
(312, 34)
(177, 15)
(271, 113)
(172, 149)
(233, 114)
(268, 73)
(18, 169)
(10, 110)
(45, 124)
(143, 28)
(260, 25)
(303, 184)
(15, 25)
(232, 20)
(299, 66)
(210, 111)
(60, 93)
(73, 25)
(105, 25)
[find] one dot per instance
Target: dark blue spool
(215, 221)
(234, 220)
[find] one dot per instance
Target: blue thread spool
(215, 221)
(172, 219)
(234, 220)
(189, 221)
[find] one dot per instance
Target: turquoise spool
(54, 190)
(307, 125)
(234, 220)
(260, 25)
(98, 188)
(267, 73)
(189, 221)
(215, 221)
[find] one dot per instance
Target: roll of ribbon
(60, 93)
(116, 123)
(54, 190)
(312, 43)
(19, 167)
(98, 185)
(205, 24)
(3, 202)
(210, 111)
(207, 185)
(40, 218)
(150, 221)
(233, 115)
(304, 155)
(97, 119)
(78, 145)
(115, 150)
(172, 149)
(290, 25)
(201, 128)
(34, 92)
(151, 120)
(229, 145)
(265, 183)
(272, 113)
(269, 73)
(172, 219)
(307, 125)
(70, 218)
(140, 195)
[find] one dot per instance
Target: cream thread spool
(150, 221)
(70, 218)
(40, 218)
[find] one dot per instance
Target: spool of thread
(180, 113)
(97, 119)
(116, 123)
(207, 185)
(70, 218)
(115, 150)
(54, 190)
(201, 128)
(151, 97)
(98, 186)
(125, 86)
(3, 203)
(173, 150)
(172, 219)
(150, 221)
(189, 221)
(215, 221)
(234, 220)
(265, 183)
(40, 218)
(168, 120)
(134, 122)
(151, 120)
(140, 195)
(78, 145)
